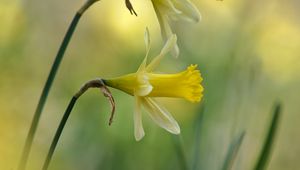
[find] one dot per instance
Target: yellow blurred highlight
(10, 16)
(125, 26)
(12, 19)
(9, 137)
(279, 47)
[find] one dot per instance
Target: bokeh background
(247, 51)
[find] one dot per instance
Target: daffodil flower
(144, 85)
(167, 10)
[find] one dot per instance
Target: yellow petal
(148, 46)
(147, 40)
(170, 7)
(163, 21)
(138, 124)
(175, 51)
(171, 42)
(160, 115)
(188, 9)
(169, 45)
(165, 28)
(143, 85)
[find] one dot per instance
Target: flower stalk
(49, 82)
(97, 83)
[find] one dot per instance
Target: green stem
(198, 126)
(59, 131)
(267, 148)
(49, 82)
(233, 151)
(97, 83)
(178, 144)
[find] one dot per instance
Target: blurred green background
(248, 53)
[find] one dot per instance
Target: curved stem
(59, 131)
(97, 83)
(45, 93)
(49, 82)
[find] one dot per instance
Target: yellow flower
(167, 10)
(144, 85)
